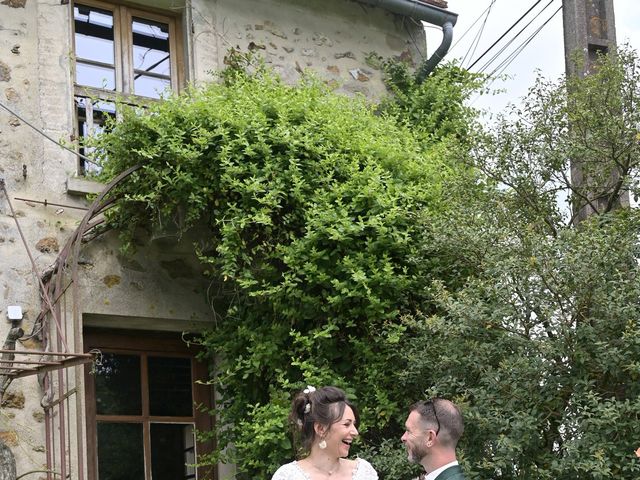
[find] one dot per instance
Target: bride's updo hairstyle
(325, 406)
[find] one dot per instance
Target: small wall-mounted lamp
(14, 312)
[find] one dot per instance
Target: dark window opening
(141, 414)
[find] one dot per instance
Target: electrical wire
(505, 63)
(476, 40)
(504, 34)
(471, 26)
(510, 42)
(413, 38)
(84, 157)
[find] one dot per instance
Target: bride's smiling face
(342, 433)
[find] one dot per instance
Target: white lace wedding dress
(292, 471)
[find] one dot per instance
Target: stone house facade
(101, 383)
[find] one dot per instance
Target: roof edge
(417, 10)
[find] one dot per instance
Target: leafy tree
(541, 342)
(311, 203)
(436, 108)
(399, 251)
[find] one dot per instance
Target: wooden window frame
(122, 18)
(148, 344)
(123, 15)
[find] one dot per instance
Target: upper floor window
(120, 49)
(120, 52)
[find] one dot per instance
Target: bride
(326, 425)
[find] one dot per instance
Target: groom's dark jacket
(451, 473)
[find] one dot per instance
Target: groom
(433, 429)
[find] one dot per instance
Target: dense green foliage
(437, 108)
(311, 204)
(399, 251)
(541, 344)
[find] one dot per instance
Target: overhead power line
(496, 55)
(494, 75)
(471, 26)
(505, 63)
(474, 44)
(505, 33)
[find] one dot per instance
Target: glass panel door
(141, 414)
(121, 451)
(118, 387)
(172, 451)
(170, 387)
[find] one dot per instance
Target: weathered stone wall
(26, 51)
(7, 463)
(343, 41)
(159, 287)
(162, 283)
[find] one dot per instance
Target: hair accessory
(299, 422)
(307, 407)
(322, 444)
(309, 389)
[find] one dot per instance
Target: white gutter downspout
(426, 13)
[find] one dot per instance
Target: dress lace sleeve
(365, 471)
(289, 471)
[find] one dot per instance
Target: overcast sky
(545, 51)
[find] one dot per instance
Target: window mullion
(146, 424)
(146, 435)
(173, 59)
(123, 49)
(88, 105)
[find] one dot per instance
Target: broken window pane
(92, 116)
(94, 47)
(117, 50)
(151, 57)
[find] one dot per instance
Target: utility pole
(589, 30)
(589, 27)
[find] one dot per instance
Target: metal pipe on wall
(426, 13)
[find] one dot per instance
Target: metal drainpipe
(430, 64)
(426, 13)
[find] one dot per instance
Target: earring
(322, 444)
